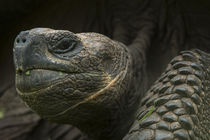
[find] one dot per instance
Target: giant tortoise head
(62, 76)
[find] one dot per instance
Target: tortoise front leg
(177, 106)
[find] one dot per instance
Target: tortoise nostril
(24, 40)
(21, 40)
(22, 37)
(18, 40)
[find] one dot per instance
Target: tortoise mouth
(33, 80)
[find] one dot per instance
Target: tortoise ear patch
(108, 65)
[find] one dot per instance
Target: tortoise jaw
(32, 80)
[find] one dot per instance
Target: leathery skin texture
(177, 106)
(85, 80)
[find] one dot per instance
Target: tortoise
(98, 84)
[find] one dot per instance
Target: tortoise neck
(110, 113)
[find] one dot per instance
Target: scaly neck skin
(115, 122)
(109, 120)
(109, 113)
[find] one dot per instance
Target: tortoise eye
(63, 46)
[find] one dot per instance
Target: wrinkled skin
(86, 80)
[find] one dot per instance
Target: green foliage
(1, 113)
(28, 72)
(60, 73)
(148, 113)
